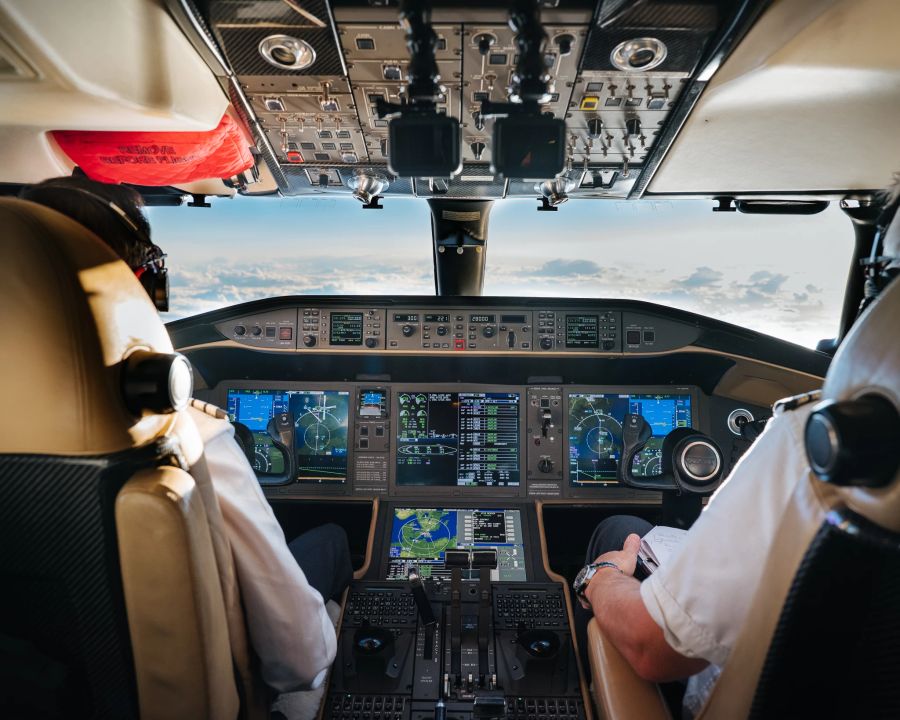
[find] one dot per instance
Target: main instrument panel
(410, 440)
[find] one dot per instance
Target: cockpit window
(781, 275)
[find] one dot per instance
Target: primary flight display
(458, 439)
(595, 433)
(321, 419)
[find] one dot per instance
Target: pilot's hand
(626, 558)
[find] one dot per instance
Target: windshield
(780, 275)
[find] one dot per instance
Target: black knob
(371, 342)
(854, 442)
(564, 43)
(595, 127)
(609, 344)
(240, 330)
(545, 465)
(633, 126)
(257, 330)
(477, 149)
(408, 330)
(485, 43)
(441, 330)
(309, 340)
(323, 179)
(489, 331)
(546, 343)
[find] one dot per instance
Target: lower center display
(420, 537)
(458, 439)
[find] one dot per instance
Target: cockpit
(465, 280)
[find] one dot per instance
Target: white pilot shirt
(289, 629)
(701, 596)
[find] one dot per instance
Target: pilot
(683, 621)
(283, 587)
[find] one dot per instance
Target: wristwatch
(586, 573)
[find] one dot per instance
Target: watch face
(582, 578)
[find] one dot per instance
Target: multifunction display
(320, 430)
(595, 433)
(421, 536)
(346, 328)
(372, 403)
(582, 331)
(458, 439)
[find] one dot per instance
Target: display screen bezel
(342, 341)
(455, 490)
(601, 490)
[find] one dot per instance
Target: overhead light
(639, 54)
(286, 52)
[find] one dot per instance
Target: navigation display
(458, 439)
(420, 536)
(320, 430)
(595, 433)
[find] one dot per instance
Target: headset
(854, 442)
(152, 273)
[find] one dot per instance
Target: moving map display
(320, 430)
(595, 433)
(420, 537)
(458, 439)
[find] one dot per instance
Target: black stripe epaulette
(792, 403)
(209, 409)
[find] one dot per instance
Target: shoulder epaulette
(209, 409)
(792, 403)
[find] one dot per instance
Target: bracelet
(608, 564)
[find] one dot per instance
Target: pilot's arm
(289, 628)
(690, 611)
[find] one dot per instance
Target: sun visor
(158, 158)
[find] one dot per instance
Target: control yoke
(691, 461)
(281, 431)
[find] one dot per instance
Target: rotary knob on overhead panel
(240, 330)
(257, 330)
(309, 340)
(371, 342)
(441, 330)
(489, 331)
(633, 126)
(546, 343)
(595, 127)
(408, 330)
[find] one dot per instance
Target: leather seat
(111, 604)
(821, 638)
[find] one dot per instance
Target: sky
(780, 275)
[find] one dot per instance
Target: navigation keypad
(535, 609)
(388, 608)
(370, 707)
(523, 708)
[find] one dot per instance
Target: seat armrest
(618, 691)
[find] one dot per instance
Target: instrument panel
(454, 440)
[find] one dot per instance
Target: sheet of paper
(658, 545)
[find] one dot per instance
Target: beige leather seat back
(868, 362)
(111, 603)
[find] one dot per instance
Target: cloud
(701, 277)
(767, 283)
(567, 268)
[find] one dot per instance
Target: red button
(286, 333)
(459, 344)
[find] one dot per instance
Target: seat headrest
(868, 362)
(71, 312)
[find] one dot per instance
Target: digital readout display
(482, 318)
(437, 318)
(514, 319)
(346, 328)
(406, 317)
(582, 331)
